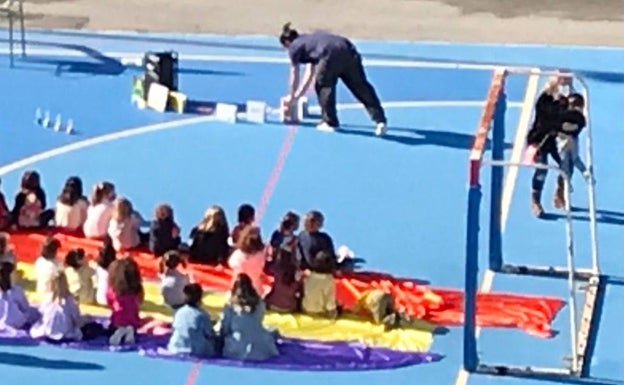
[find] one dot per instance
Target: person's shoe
(536, 205)
(117, 337)
(325, 127)
(380, 129)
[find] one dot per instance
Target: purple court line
(267, 192)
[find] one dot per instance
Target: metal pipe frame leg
(22, 27)
(11, 60)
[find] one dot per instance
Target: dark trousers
(347, 67)
(539, 176)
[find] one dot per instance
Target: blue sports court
(397, 201)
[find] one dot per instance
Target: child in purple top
(285, 292)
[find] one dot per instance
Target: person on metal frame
(328, 58)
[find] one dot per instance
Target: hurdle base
(541, 374)
(546, 271)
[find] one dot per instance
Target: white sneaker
(380, 129)
(115, 339)
(129, 337)
(325, 127)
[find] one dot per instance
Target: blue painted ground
(398, 201)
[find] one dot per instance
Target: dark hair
(72, 191)
(312, 218)
(107, 253)
(246, 213)
(124, 277)
(250, 240)
(286, 266)
(31, 181)
(6, 269)
(49, 247)
(74, 258)
(243, 294)
(576, 100)
(170, 261)
(290, 221)
(193, 294)
(163, 212)
(100, 191)
(323, 263)
(4, 242)
(288, 34)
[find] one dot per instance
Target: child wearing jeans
(285, 294)
(15, 311)
(244, 336)
(80, 276)
(60, 315)
(124, 296)
(193, 331)
(319, 288)
(172, 280)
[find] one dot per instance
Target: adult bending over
(328, 58)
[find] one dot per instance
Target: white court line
(510, 181)
(422, 103)
(135, 57)
(99, 140)
(182, 122)
(518, 146)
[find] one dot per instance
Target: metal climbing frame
(582, 333)
(13, 9)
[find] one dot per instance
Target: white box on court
(226, 112)
(256, 111)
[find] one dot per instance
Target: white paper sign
(256, 111)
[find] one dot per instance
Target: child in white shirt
(60, 315)
(100, 210)
(46, 266)
(106, 256)
(125, 225)
(15, 311)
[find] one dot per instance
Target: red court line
(267, 192)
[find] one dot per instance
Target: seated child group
(301, 266)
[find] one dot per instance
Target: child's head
(193, 294)
(59, 287)
(50, 247)
(576, 101)
(72, 191)
(106, 254)
(313, 221)
(214, 218)
(6, 270)
(163, 212)
(31, 181)
(286, 266)
(122, 209)
(250, 240)
(290, 222)
(243, 294)
(75, 258)
(246, 214)
(171, 261)
(103, 192)
(323, 262)
(124, 277)
(4, 243)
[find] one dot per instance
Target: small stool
(177, 101)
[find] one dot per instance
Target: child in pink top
(124, 297)
(125, 225)
(249, 257)
(99, 211)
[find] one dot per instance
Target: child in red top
(124, 297)
(285, 294)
